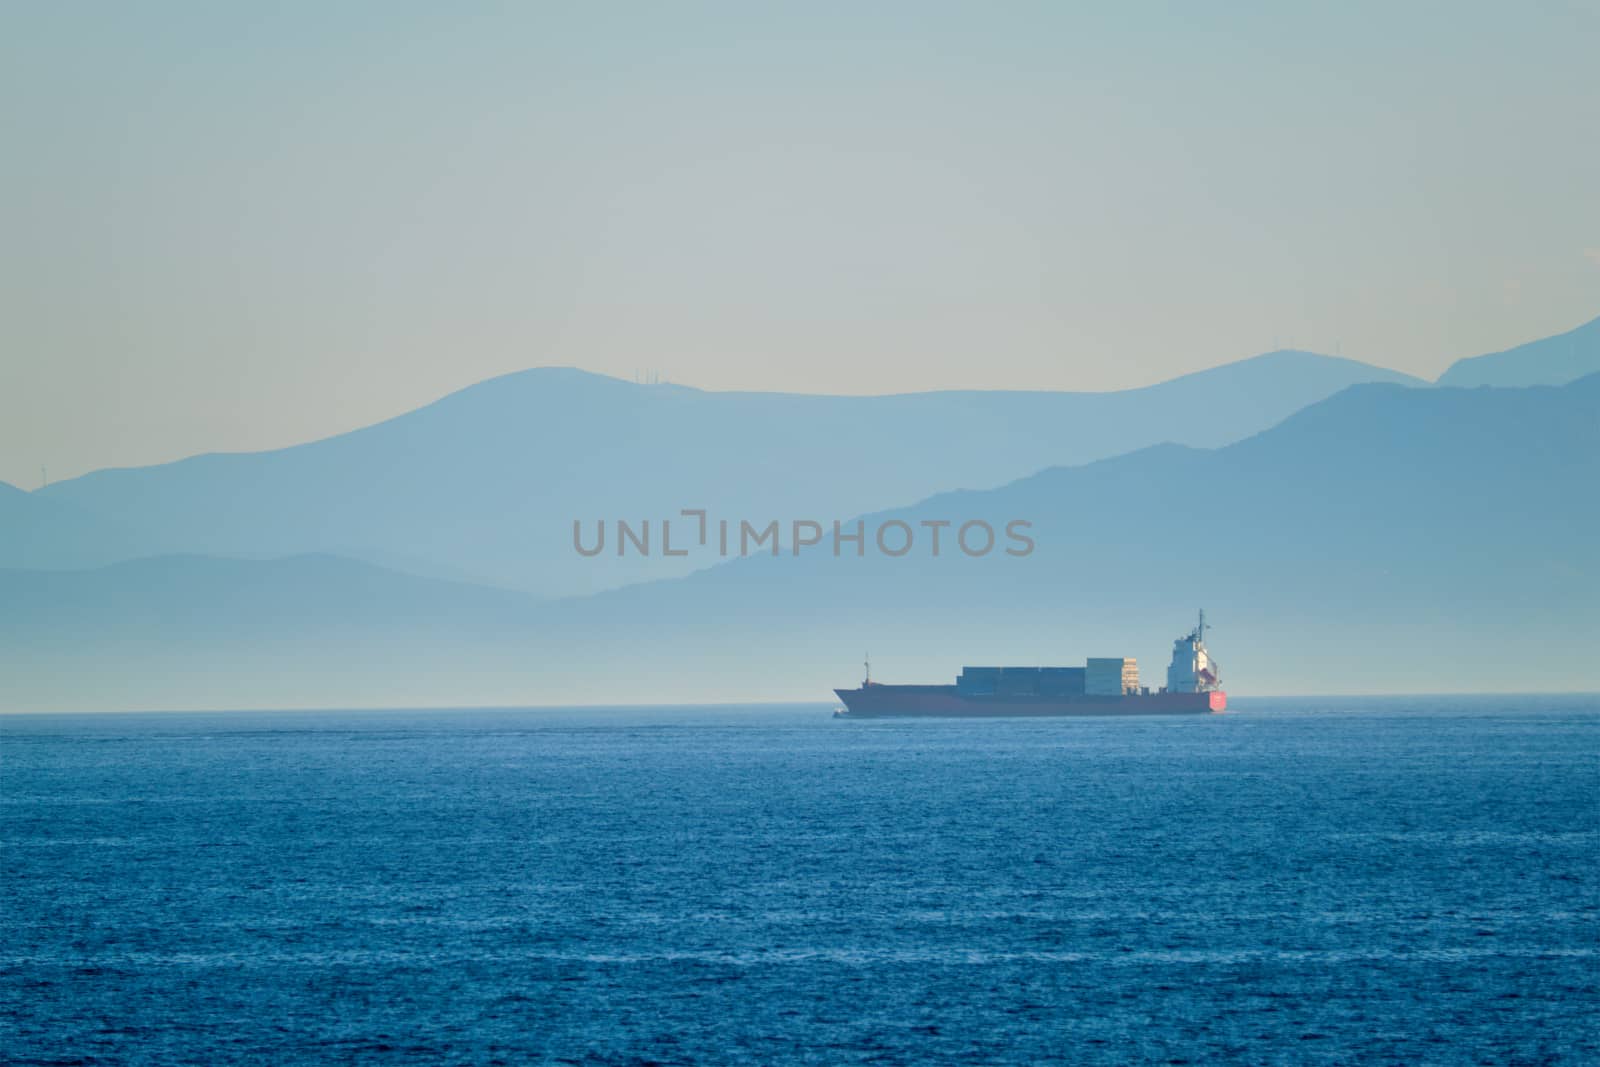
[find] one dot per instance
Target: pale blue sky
(241, 226)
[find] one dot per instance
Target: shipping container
(1111, 676)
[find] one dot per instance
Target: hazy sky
(232, 226)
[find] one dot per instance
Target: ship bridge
(1192, 669)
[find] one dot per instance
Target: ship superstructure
(1192, 669)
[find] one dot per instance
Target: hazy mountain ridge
(484, 484)
(1386, 515)
(202, 596)
(37, 532)
(1383, 539)
(1554, 360)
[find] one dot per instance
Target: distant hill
(39, 532)
(185, 597)
(194, 632)
(1385, 539)
(484, 484)
(1552, 361)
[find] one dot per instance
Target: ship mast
(1200, 631)
(866, 663)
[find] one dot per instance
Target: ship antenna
(1201, 630)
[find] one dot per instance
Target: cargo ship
(1102, 686)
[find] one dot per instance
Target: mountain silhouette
(39, 532)
(1551, 361)
(1385, 539)
(484, 485)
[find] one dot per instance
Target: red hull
(884, 701)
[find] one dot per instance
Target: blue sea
(1372, 881)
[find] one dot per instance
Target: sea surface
(1372, 881)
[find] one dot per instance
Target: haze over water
(1377, 880)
